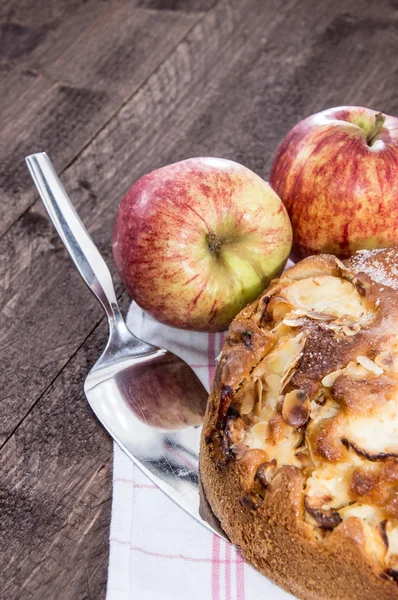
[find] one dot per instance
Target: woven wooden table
(111, 90)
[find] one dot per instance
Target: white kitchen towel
(157, 551)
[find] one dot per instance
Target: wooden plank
(39, 13)
(64, 79)
(53, 312)
(177, 5)
(55, 481)
(28, 11)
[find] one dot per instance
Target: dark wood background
(113, 89)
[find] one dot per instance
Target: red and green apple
(195, 241)
(337, 174)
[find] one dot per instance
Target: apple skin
(196, 241)
(341, 194)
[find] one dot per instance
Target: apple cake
(299, 452)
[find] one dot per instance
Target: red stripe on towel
(240, 577)
(215, 570)
(227, 571)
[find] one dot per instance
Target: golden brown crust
(275, 541)
(263, 498)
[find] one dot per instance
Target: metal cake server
(148, 399)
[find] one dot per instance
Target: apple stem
(214, 243)
(377, 127)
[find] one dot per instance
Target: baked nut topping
(319, 394)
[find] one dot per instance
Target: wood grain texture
(230, 80)
(56, 493)
(64, 78)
